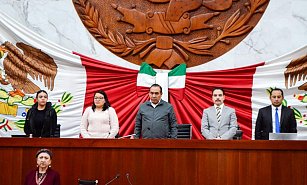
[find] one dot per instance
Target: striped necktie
(218, 114)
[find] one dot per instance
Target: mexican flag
(78, 77)
(173, 80)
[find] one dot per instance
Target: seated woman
(99, 120)
(41, 120)
(43, 174)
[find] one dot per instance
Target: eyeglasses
(98, 98)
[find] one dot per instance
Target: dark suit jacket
(264, 122)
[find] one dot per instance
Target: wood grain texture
(165, 33)
(178, 162)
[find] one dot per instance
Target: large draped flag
(29, 62)
(174, 80)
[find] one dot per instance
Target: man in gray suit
(219, 121)
(155, 118)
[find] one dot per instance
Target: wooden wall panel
(151, 162)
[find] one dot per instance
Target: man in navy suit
(275, 118)
(219, 121)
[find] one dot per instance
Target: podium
(152, 162)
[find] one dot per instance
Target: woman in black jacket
(41, 120)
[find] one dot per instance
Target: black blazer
(50, 122)
(264, 122)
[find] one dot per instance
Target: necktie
(277, 121)
(218, 114)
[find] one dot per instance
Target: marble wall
(282, 29)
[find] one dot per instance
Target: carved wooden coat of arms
(165, 33)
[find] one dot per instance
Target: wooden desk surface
(166, 162)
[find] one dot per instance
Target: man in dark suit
(275, 118)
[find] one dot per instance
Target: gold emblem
(165, 33)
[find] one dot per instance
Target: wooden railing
(158, 162)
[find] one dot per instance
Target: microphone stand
(116, 177)
(126, 136)
(127, 176)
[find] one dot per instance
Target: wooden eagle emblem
(166, 33)
(23, 60)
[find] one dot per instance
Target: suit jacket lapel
(269, 111)
(213, 112)
(224, 113)
(282, 115)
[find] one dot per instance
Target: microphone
(116, 177)
(127, 176)
(126, 136)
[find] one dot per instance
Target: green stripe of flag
(179, 70)
(176, 77)
(146, 76)
(147, 69)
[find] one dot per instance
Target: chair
(87, 182)
(238, 135)
(184, 131)
(117, 135)
(57, 132)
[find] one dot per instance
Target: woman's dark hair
(40, 92)
(44, 150)
(106, 105)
